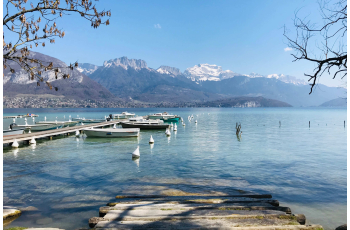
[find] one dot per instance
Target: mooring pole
(309, 124)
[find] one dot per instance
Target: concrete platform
(243, 212)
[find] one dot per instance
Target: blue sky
(243, 36)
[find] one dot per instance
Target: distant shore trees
(330, 39)
(35, 25)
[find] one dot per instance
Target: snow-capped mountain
(207, 72)
(172, 71)
(87, 68)
(281, 77)
(126, 63)
(21, 77)
(288, 79)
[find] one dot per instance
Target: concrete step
(188, 207)
(195, 200)
(216, 222)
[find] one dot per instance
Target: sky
(242, 36)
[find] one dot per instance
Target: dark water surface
(68, 179)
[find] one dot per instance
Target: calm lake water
(68, 179)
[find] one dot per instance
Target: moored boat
(13, 132)
(145, 125)
(112, 132)
(36, 127)
(165, 117)
(123, 115)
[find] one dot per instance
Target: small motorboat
(112, 132)
(36, 127)
(123, 115)
(145, 125)
(13, 132)
(165, 117)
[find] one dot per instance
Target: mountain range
(203, 82)
(132, 80)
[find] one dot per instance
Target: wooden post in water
(344, 124)
(280, 123)
(309, 124)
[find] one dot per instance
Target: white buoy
(114, 126)
(25, 119)
(151, 141)
(183, 124)
(82, 123)
(167, 132)
(196, 121)
(32, 141)
(45, 118)
(14, 120)
(171, 125)
(15, 144)
(29, 131)
(136, 153)
(77, 133)
(175, 127)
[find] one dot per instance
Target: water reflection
(136, 160)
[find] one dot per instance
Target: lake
(66, 180)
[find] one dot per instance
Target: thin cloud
(288, 49)
(157, 26)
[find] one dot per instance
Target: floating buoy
(167, 132)
(136, 153)
(15, 144)
(184, 124)
(114, 126)
(82, 123)
(77, 133)
(25, 119)
(151, 141)
(14, 120)
(45, 118)
(32, 141)
(196, 121)
(29, 131)
(175, 127)
(171, 125)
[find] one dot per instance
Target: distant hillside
(245, 102)
(338, 102)
(78, 86)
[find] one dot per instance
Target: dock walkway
(243, 212)
(55, 132)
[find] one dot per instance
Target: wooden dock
(54, 132)
(243, 212)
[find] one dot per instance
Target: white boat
(13, 132)
(123, 115)
(36, 127)
(164, 116)
(135, 132)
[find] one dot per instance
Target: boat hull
(174, 119)
(145, 126)
(108, 133)
(13, 132)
